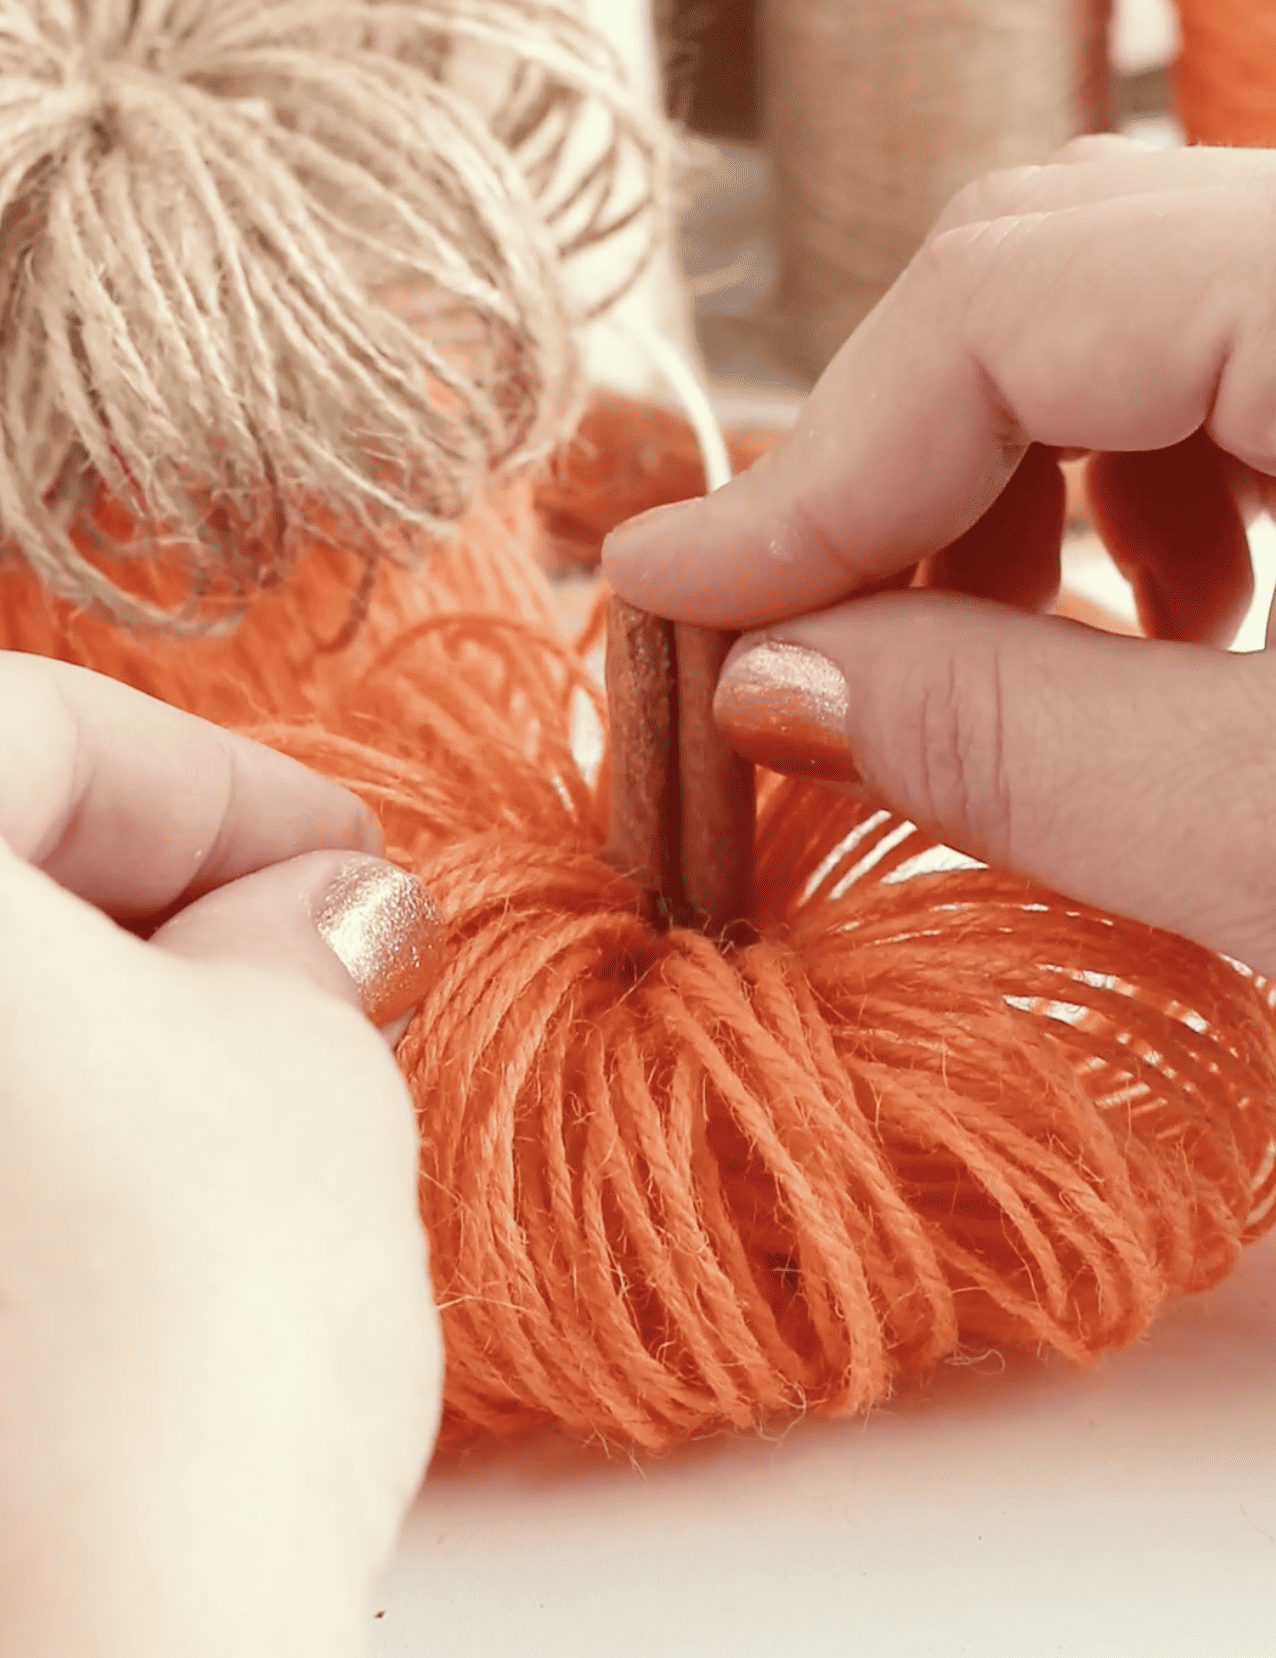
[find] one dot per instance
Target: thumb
(1130, 774)
(357, 927)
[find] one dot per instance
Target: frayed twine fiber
(256, 254)
(669, 1189)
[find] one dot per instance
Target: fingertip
(386, 931)
(1069, 756)
(359, 928)
(636, 552)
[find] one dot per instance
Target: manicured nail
(384, 929)
(785, 707)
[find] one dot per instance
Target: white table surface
(1128, 1511)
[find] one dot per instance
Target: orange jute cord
(672, 1188)
(1224, 81)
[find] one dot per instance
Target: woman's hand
(219, 1356)
(1121, 301)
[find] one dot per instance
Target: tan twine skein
(255, 248)
(877, 112)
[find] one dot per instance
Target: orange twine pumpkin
(670, 1190)
(1224, 81)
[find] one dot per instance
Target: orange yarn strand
(1225, 79)
(669, 1189)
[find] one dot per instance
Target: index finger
(1119, 324)
(136, 807)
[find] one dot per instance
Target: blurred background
(828, 135)
(821, 138)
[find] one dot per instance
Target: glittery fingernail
(384, 929)
(785, 707)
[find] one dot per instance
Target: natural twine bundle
(878, 111)
(251, 245)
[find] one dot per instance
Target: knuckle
(949, 265)
(991, 196)
(955, 268)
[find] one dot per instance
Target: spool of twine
(877, 111)
(1225, 78)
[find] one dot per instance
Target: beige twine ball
(257, 253)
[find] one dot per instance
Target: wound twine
(672, 1189)
(876, 114)
(255, 245)
(1224, 81)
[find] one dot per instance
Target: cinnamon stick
(682, 808)
(641, 685)
(716, 789)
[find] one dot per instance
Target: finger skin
(1117, 324)
(1131, 774)
(136, 806)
